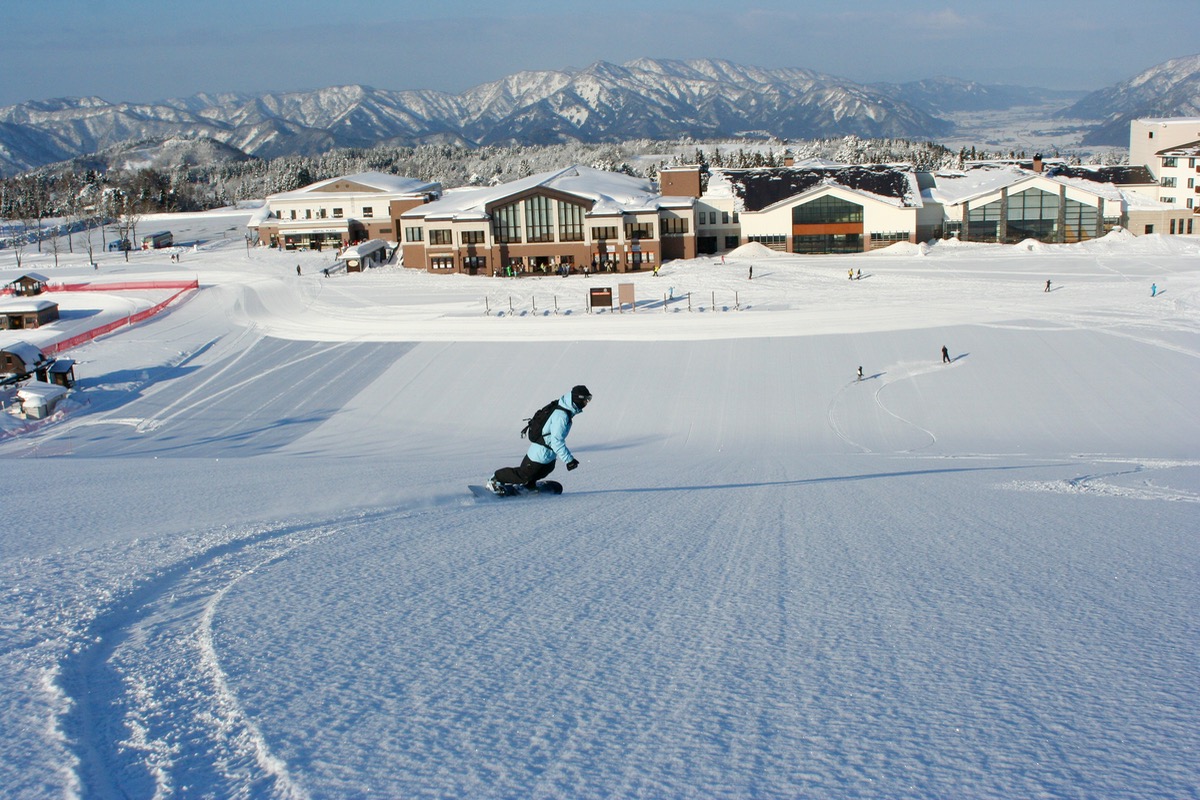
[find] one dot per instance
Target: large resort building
(339, 212)
(575, 219)
(581, 219)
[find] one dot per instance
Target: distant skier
(1047, 285)
(860, 374)
(945, 355)
(850, 274)
(751, 272)
(858, 275)
(1153, 289)
(297, 270)
(539, 460)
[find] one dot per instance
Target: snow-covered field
(244, 562)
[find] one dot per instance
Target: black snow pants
(528, 474)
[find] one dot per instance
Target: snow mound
(901, 249)
(754, 250)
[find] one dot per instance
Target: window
(442, 262)
(1170, 161)
(1172, 226)
(878, 237)
(475, 264)
(414, 234)
(1149, 229)
(337, 213)
(639, 230)
(735, 218)
(506, 224)
(570, 222)
(724, 217)
(308, 213)
(607, 232)
(1189, 225)
(472, 237)
(827, 210)
(293, 213)
(539, 226)
(1191, 183)
(1167, 199)
(368, 211)
(671, 225)
(321, 213)
(1168, 183)
(441, 236)
(774, 242)
(712, 218)
(731, 242)
(1191, 163)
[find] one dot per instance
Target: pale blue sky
(142, 51)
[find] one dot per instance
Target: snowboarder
(1153, 289)
(858, 275)
(860, 375)
(1047, 285)
(945, 355)
(539, 460)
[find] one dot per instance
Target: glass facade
(570, 222)
(827, 210)
(539, 225)
(828, 243)
(506, 224)
(1033, 214)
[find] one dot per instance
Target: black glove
(572, 464)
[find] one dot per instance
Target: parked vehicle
(157, 241)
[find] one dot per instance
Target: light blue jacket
(555, 434)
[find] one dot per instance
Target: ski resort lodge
(581, 219)
(339, 212)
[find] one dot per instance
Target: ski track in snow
(145, 704)
(875, 428)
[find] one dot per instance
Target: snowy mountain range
(1171, 89)
(645, 98)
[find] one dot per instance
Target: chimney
(680, 181)
(1037, 162)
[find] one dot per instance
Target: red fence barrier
(87, 336)
(124, 286)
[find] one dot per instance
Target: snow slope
(243, 562)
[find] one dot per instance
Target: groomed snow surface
(242, 560)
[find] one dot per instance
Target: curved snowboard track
(148, 711)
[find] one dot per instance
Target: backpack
(537, 423)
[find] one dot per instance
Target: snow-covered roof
(33, 276)
(38, 392)
(607, 192)
(1189, 149)
(22, 305)
(29, 354)
(363, 248)
(759, 189)
(373, 183)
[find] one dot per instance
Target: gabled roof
(605, 192)
(33, 276)
(758, 189)
(362, 183)
(25, 305)
(23, 350)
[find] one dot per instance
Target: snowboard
(515, 490)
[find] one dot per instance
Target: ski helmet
(580, 396)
